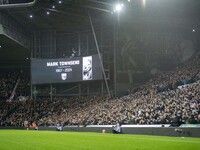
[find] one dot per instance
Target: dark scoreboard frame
(66, 70)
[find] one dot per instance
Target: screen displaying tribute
(65, 70)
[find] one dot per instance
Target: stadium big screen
(65, 70)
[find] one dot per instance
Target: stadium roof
(11, 52)
(71, 15)
(57, 14)
(63, 14)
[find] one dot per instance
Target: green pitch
(52, 140)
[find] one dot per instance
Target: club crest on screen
(63, 76)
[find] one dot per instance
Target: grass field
(52, 140)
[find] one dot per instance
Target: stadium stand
(9, 79)
(169, 98)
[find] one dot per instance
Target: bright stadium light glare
(193, 30)
(144, 3)
(48, 12)
(31, 16)
(118, 7)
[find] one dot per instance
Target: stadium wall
(159, 131)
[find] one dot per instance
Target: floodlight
(144, 3)
(118, 7)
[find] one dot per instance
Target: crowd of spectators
(8, 80)
(169, 98)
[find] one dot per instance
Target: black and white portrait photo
(87, 68)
